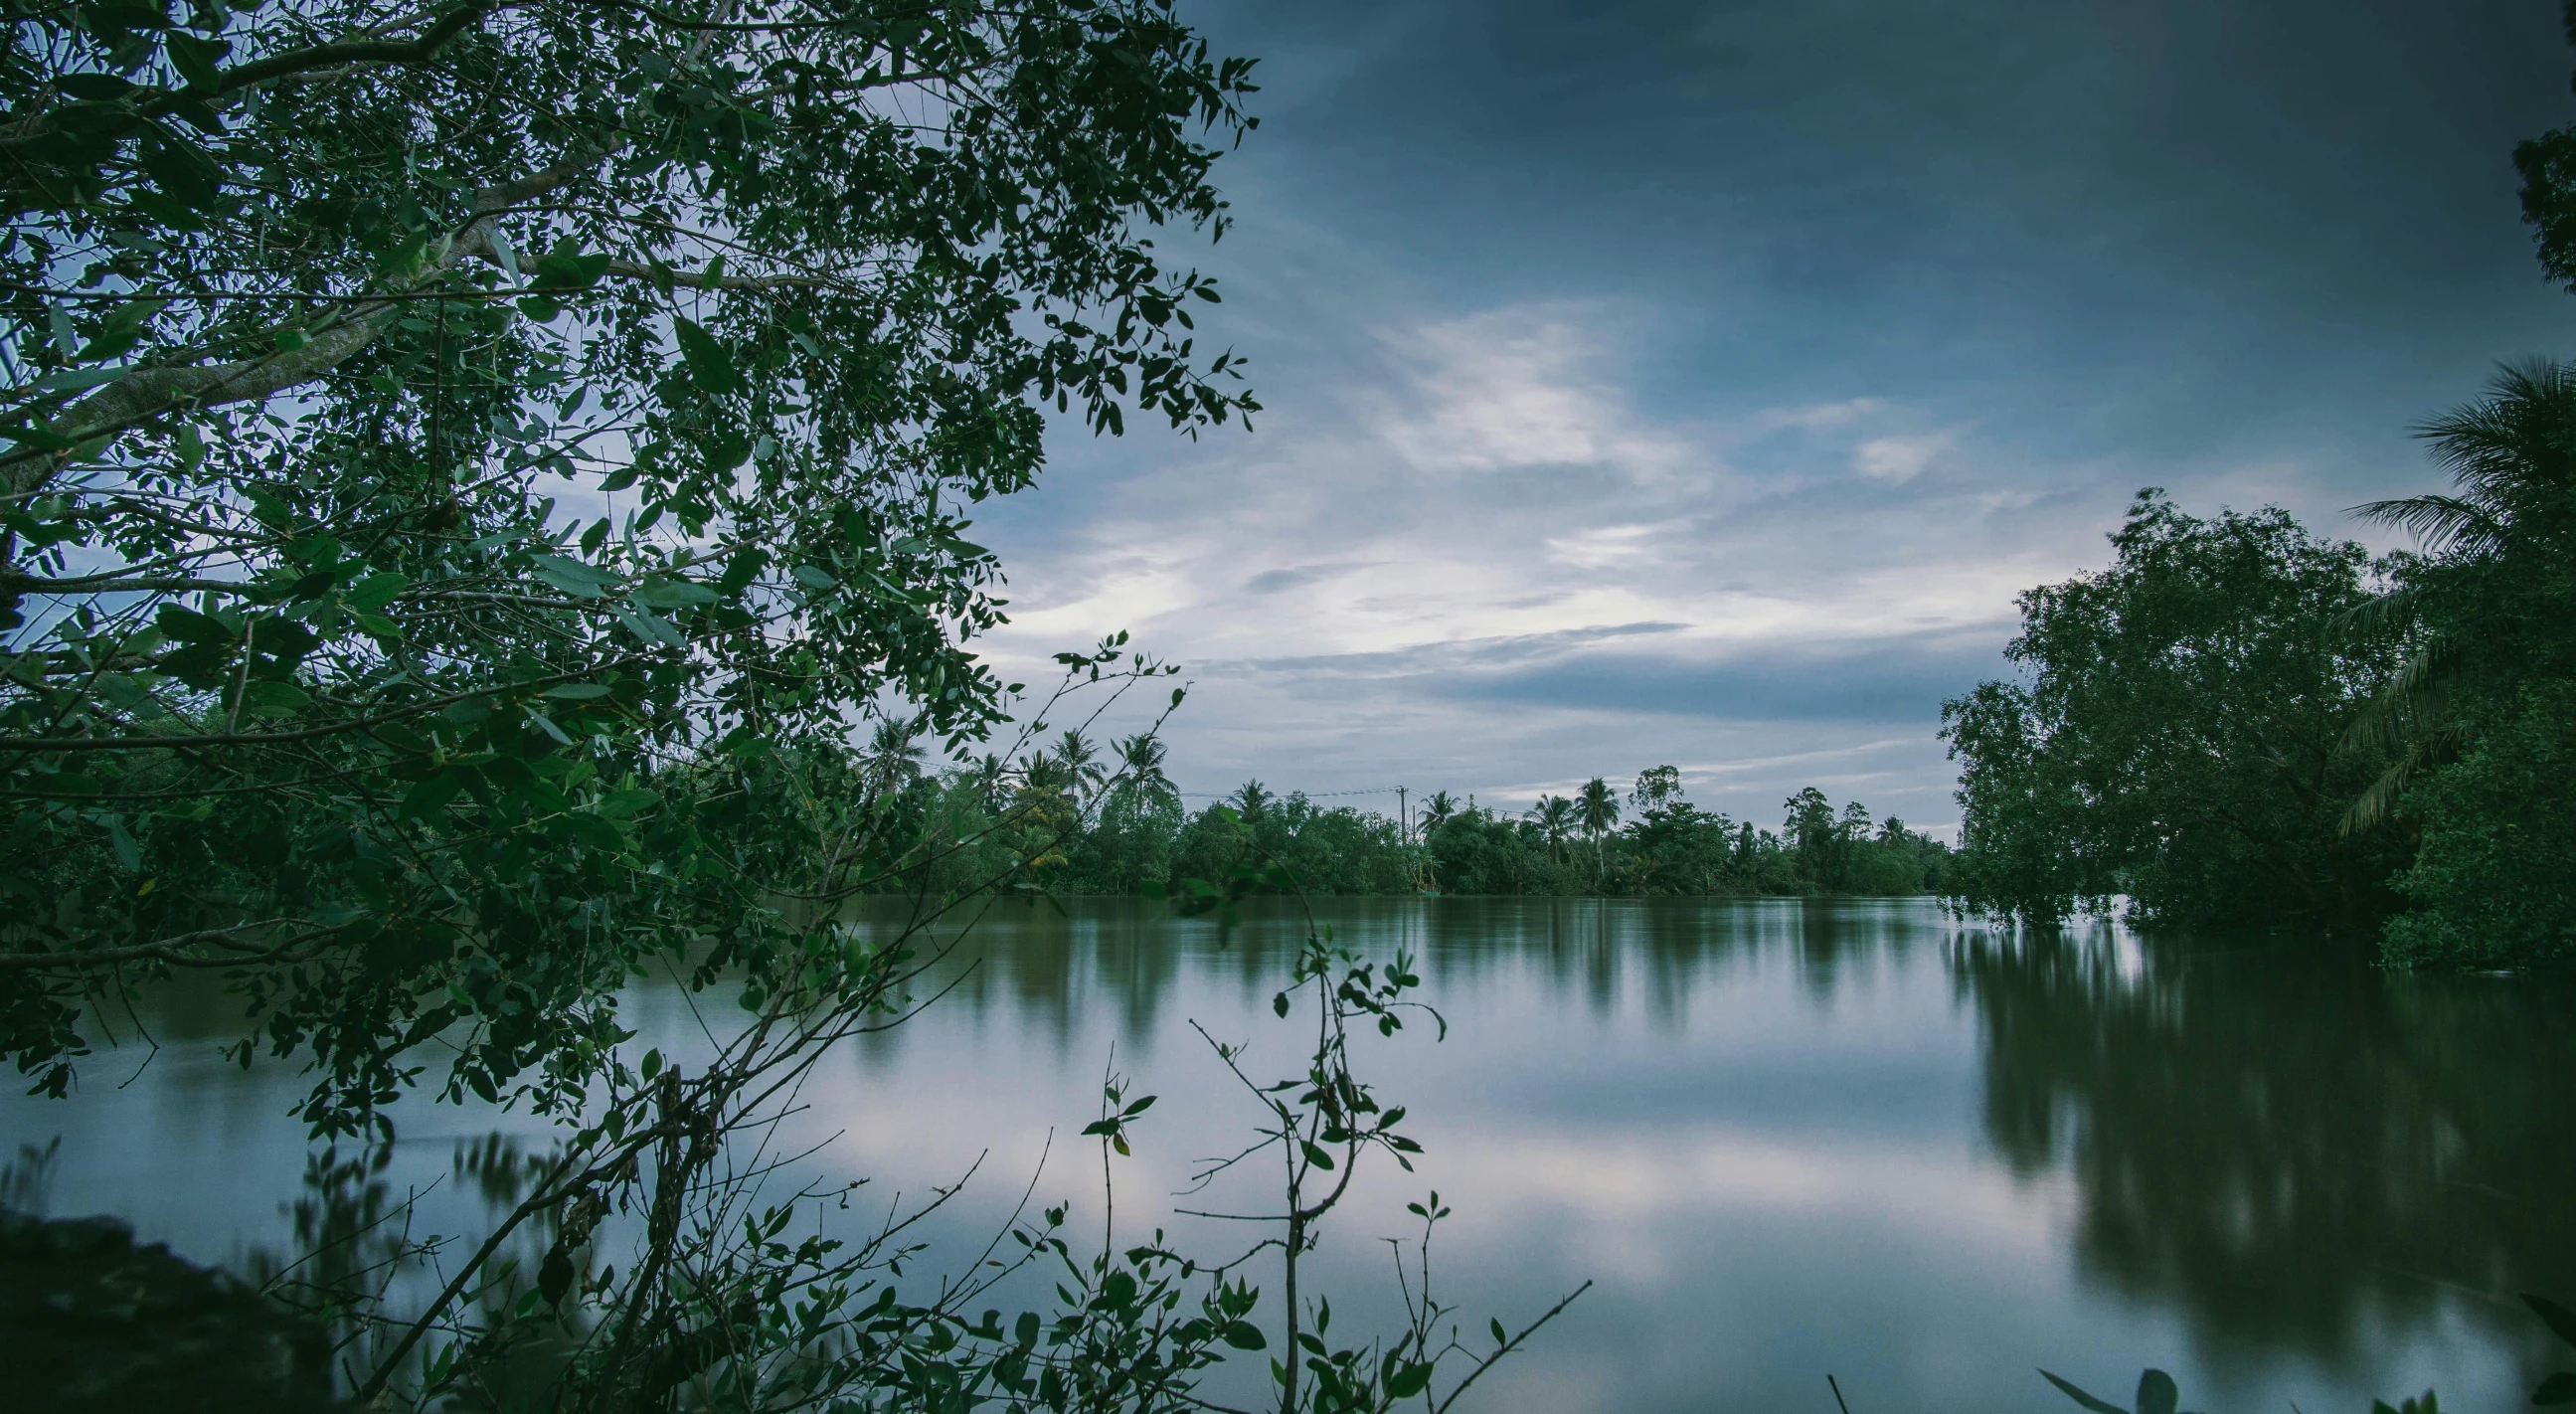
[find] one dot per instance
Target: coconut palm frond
(2413, 703)
(2383, 615)
(1556, 821)
(1081, 761)
(2372, 807)
(2440, 522)
(2502, 445)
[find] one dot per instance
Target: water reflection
(1789, 1137)
(2298, 1153)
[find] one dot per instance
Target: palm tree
(2507, 452)
(1437, 811)
(991, 774)
(893, 756)
(1555, 817)
(1042, 772)
(1251, 799)
(1081, 760)
(1596, 809)
(1140, 759)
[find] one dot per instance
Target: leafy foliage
(1135, 832)
(329, 326)
(2478, 719)
(2182, 737)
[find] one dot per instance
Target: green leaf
(2156, 1393)
(709, 366)
(591, 830)
(121, 330)
(375, 591)
(74, 380)
(2080, 1397)
(620, 804)
(431, 795)
(93, 88)
(1244, 1335)
(576, 692)
(189, 626)
(659, 592)
(2559, 1388)
(122, 842)
(650, 630)
(1408, 1381)
(271, 696)
(539, 308)
(565, 269)
(196, 59)
(572, 576)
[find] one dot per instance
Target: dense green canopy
(472, 469)
(2180, 738)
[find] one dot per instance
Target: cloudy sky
(1697, 383)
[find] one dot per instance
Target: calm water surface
(1784, 1138)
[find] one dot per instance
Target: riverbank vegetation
(1070, 817)
(2242, 723)
(2239, 722)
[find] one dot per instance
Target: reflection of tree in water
(1043, 971)
(2288, 1147)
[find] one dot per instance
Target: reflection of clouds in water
(1785, 1136)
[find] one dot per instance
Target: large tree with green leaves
(2181, 736)
(471, 468)
(2480, 721)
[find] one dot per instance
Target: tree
(2181, 737)
(1656, 788)
(1554, 815)
(894, 756)
(2548, 167)
(1818, 839)
(1084, 771)
(1437, 810)
(1596, 809)
(2476, 721)
(467, 466)
(2511, 459)
(1140, 759)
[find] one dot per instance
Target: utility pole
(1403, 815)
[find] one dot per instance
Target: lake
(1784, 1138)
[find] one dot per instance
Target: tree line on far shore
(1079, 817)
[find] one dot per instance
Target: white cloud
(1602, 548)
(1899, 459)
(1517, 387)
